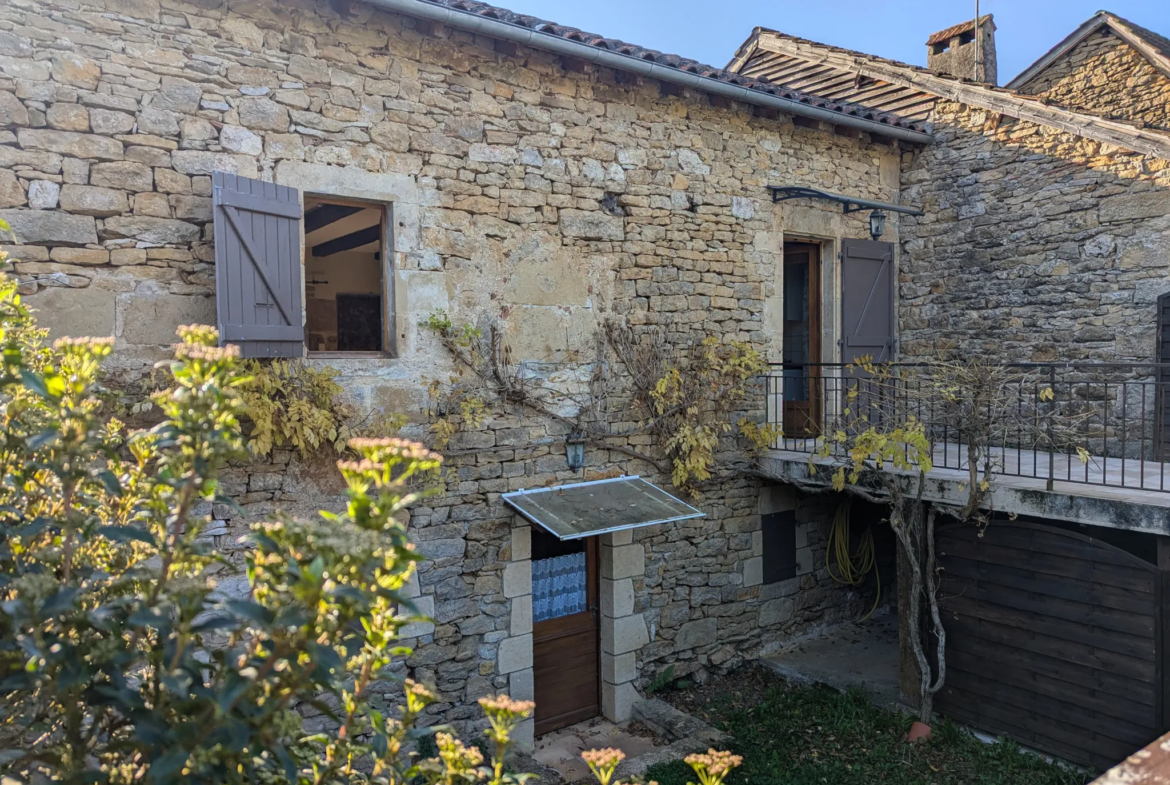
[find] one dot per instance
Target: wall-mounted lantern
(850, 204)
(575, 451)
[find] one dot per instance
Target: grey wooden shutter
(1162, 376)
(258, 266)
(867, 300)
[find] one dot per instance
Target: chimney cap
(943, 36)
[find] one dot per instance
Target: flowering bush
(711, 767)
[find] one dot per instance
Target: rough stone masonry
(541, 195)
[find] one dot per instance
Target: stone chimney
(952, 51)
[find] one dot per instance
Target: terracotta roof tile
(942, 36)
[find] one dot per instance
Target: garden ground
(790, 735)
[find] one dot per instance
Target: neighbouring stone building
(533, 179)
(1045, 229)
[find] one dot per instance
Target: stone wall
(1105, 76)
(1036, 245)
(537, 194)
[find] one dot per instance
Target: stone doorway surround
(623, 632)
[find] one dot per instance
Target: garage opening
(345, 302)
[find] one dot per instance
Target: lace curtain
(558, 586)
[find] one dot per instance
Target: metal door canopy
(585, 509)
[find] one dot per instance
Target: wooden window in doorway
(802, 339)
(566, 630)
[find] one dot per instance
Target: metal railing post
(1048, 427)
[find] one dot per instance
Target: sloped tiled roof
(942, 36)
(674, 61)
(1151, 45)
(831, 71)
(910, 91)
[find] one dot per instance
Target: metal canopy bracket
(851, 204)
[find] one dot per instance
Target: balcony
(1082, 429)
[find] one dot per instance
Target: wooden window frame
(389, 315)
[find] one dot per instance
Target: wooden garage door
(1052, 639)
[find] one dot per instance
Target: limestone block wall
(1036, 245)
(1106, 76)
(541, 195)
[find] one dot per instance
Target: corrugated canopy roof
(570, 512)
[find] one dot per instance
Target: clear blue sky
(711, 30)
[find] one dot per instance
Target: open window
(345, 292)
(260, 271)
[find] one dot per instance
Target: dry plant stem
(67, 548)
(173, 536)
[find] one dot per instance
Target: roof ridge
(1153, 46)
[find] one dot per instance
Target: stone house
(425, 165)
(320, 176)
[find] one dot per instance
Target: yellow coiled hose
(852, 568)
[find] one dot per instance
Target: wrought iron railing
(1092, 423)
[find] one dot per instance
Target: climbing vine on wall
(685, 397)
(286, 403)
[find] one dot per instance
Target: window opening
(559, 576)
(779, 533)
(344, 287)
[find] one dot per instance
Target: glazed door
(566, 638)
(802, 344)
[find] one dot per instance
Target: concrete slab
(858, 654)
(1129, 504)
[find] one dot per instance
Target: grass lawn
(812, 736)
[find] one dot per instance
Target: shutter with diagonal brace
(867, 300)
(1162, 375)
(258, 266)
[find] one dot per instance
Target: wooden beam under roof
(350, 241)
(324, 214)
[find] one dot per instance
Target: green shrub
(121, 662)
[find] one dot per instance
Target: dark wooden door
(566, 637)
(1053, 639)
(802, 339)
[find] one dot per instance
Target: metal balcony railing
(1092, 423)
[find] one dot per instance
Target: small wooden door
(802, 339)
(566, 637)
